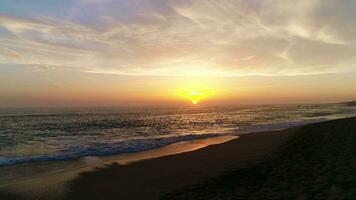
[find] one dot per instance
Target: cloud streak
(186, 38)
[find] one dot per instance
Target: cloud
(169, 38)
(94, 1)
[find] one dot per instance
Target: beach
(210, 172)
(151, 178)
(177, 100)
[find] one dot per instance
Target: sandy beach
(206, 173)
(151, 178)
(177, 100)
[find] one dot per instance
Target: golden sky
(169, 52)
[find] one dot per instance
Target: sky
(173, 52)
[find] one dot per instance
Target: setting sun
(100, 92)
(195, 97)
(195, 90)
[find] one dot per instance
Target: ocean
(52, 134)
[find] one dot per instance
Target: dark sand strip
(318, 162)
(40, 178)
(315, 161)
(151, 178)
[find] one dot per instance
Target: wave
(104, 149)
(138, 145)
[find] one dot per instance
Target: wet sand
(150, 179)
(227, 170)
(318, 162)
(49, 180)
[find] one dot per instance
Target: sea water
(53, 134)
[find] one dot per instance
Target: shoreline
(89, 163)
(201, 160)
(92, 163)
(59, 184)
(253, 129)
(317, 162)
(150, 178)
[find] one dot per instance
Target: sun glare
(195, 92)
(195, 97)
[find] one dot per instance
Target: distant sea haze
(33, 135)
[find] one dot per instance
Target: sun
(195, 96)
(194, 92)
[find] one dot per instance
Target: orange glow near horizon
(195, 97)
(195, 90)
(100, 90)
(165, 53)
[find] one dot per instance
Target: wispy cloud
(206, 37)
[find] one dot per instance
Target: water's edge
(37, 179)
(140, 145)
